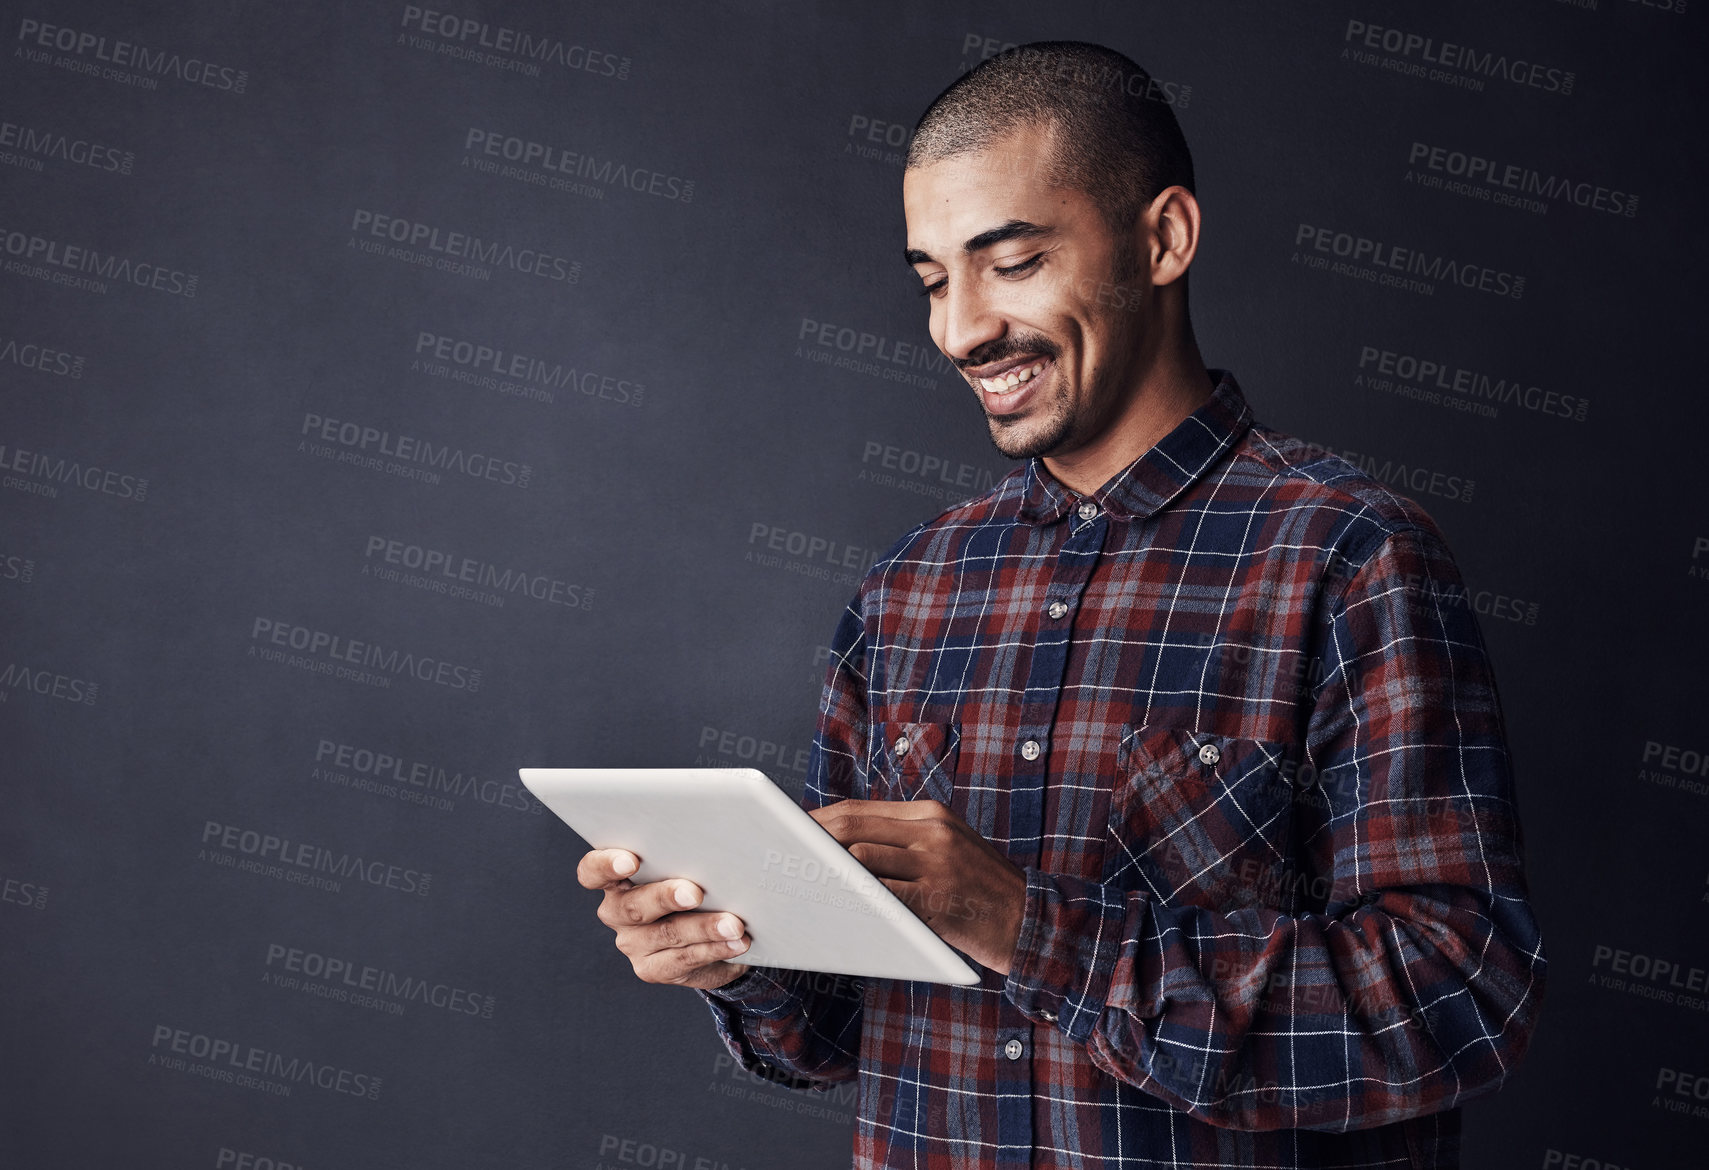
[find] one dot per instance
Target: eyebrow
(1014, 229)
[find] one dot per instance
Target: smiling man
(1184, 732)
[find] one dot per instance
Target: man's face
(1032, 296)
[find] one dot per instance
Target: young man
(1185, 731)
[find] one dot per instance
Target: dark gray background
(1584, 539)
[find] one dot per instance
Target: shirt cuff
(756, 992)
(1071, 936)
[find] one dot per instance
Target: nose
(967, 321)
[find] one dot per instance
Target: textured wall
(393, 399)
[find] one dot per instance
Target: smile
(1005, 382)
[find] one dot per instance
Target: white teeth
(1012, 379)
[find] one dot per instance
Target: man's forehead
(959, 203)
(1023, 156)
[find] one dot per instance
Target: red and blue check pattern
(1233, 716)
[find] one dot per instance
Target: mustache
(1003, 348)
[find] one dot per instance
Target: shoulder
(1320, 487)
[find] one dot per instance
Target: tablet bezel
(808, 904)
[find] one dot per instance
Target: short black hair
(1116, 139)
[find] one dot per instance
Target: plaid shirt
(1233, 716)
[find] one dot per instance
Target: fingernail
(729, 927)
(685, 896)
(737, 946)
(624, 865)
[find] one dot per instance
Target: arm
(796, 1027)
(1417, 986)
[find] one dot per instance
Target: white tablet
(808, 904)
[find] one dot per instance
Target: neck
(1173, 387)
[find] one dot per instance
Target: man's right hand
(657, 928)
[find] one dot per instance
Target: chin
(1025, 442)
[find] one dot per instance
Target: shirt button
(1088, 511)
(1208, 754)
(1057, 609)
(901, 745)
(1030, 749)
(1013, 1049)
(1047, 1017)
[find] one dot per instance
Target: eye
(932, 288)
(1024, 266)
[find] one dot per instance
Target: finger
(601, 869)
(889, 860)
(648, 903)
(681, 964)
(902, 810)
(908, 893)
(681, 930)
(903, 832)
(939, 909)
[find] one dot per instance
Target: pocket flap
(915, 760)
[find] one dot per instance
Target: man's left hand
(955, 880)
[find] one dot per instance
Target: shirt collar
(1172, 464)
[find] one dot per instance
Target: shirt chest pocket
(914, 761)
(1201, 820)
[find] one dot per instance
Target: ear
(1172, 223)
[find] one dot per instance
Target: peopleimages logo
(718, 744)
(250, 1066)
(19, 676)
(123, 61)
(808, 554)
(507, 48)
(446, 249)
(34, 144)
(414, 780)
(1478, 392)
(17, 568)
(1416, 55)
(844, 347)
(1511, 184)
(362, 661)
(440, 571)
(377, 449)
(303, 863)
(939, 477)
(41, 474)
(1395, 266)
(1410, 478)
(82, 267)
(347, 980)
(40, 358)
(1669, 765)
(493, 367)
(558, 167)
(976, 47)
